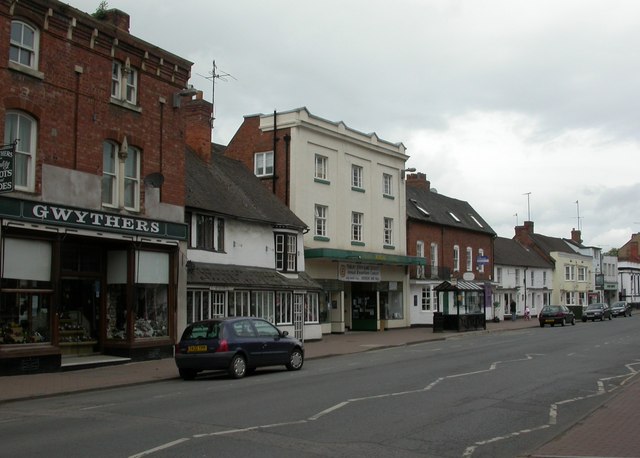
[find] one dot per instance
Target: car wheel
(562, 322)
(609, 317)
(573, 321)
(541, 324)
(296, 360)
(187, 374)
(238, 367)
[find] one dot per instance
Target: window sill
(321, 181)
(354, 243)
(321, 238)
(389, 247)
(26, 70)
(357, 189)
(125, 104)
(388, 196)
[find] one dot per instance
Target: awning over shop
(333, 254)
(233, 276)
(461, 285)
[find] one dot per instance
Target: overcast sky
(521, 108)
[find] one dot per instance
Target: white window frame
(569, 272)
(124, 177)
(356, 226)
(263, 164)
(582, 274)
(356, 176)
(21, 48)
(434, 256)
(124, 82)
(284, 308)
(387, 184)
(420, 254)
(388, 231)
(208, 232)
(320, 225)
(499, 275)
(321, 167)
(131, 179)
(286, 248)
(456, 258)
(469, 259)
(426, 295)
(25, 152)
(311, 308)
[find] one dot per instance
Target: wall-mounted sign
(359, 272)
(7, 155)
(43, 213)
(482, 260)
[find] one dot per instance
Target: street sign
(7, 155)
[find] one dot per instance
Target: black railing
(431, 273)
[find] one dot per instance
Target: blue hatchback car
(236, 345)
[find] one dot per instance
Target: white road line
(157, 449)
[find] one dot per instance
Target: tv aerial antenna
(214, 75)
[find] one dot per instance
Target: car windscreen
(594, 307)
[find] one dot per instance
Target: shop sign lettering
(7, 154)
(359, 272)
(105, 220)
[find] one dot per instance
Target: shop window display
(116, 312)
(24, 316)
(152, 311)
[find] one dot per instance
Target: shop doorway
(364, 307)
(79, 316)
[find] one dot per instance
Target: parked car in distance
(556, 314)
(236, 345)
(621, 308)
(596, 311)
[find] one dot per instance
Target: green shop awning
(332, 254)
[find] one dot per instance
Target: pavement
(609, 431)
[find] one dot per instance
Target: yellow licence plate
(196, 348)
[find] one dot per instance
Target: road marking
(469, 451)
(161, 447)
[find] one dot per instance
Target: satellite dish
(154, 180)
(434, 190)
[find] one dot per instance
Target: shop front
(77, 282)
(369, 290)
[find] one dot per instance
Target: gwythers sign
(89, 219)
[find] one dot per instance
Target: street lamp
(410, 170)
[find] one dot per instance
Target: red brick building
(91, 233)
(457, 244)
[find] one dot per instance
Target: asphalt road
(487, 395)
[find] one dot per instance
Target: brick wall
(249, 139)
(71, 101)
(446, 238)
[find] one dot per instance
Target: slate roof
(551, 244)
(508, 252)
(248, 277)
(226, 187)
(438, 207)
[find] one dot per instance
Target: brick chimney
(118, 18)
(576, 236)
(523, 232)
(418, 181)
(197, 113)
